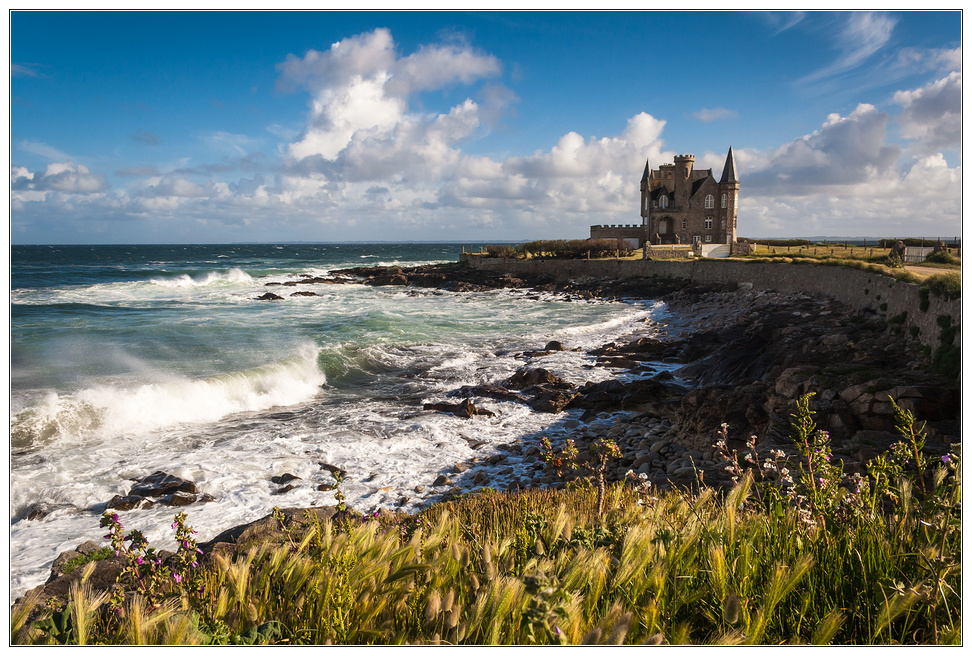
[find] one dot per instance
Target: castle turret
(729, 190)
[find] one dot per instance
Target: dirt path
(926, 271)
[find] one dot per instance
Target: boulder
(269, 296)
(160, 484)
(525, 378)
(465, 410)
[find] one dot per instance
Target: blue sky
(152, 127)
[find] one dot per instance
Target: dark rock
(269, 296)
(552, 401)
(178, 499)
(525, 378)
(284, 478)
(465, 410)
(441, 480)
(159, 484)
(326, 487)
(284, 489)
(305, 294)
(129, 502)
(554, 346)
(489, 391)
(333, 469)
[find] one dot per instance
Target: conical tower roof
(647, 173)
(729, 170)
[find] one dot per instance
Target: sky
(220, 127)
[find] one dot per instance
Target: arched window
(709, 202)
(663, 202)
(725, 200)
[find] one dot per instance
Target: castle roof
(729, 170)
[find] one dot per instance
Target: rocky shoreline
(740, 357)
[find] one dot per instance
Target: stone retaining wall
(897, 301)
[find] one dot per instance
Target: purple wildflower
(139, 560)
(946, 459)
(175, 525)
(177, 577)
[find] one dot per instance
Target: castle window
(723, 224)
(663, 202)
(684, 224)
(709, 202)
(708, 239)
(725, 200)
(708, 223)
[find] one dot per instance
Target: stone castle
(682, 205)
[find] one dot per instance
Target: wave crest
(228, 276)
(112, 411)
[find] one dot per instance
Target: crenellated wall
(895, 300)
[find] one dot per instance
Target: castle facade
(683, 205)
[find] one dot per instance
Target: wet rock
(269, 296)
(159, 484)
(333, 469)
(326, 487)
(284, 478)
(129, 502)
(305, 294)
(441, 480)
(525, 378)
(285, 489)
(465, 410)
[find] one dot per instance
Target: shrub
(943, 257)
(947, 286)
(574, 249)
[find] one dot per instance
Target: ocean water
(126, 360)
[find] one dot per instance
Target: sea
(127, 360)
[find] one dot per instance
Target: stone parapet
(861, 290)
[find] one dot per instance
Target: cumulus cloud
(932, 115)
(66, 177)
(360, 90)
(845, 151)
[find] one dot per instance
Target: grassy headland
(795, 552)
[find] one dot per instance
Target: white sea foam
(229, 276)
(383, 354)
(110, 411)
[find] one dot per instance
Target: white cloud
(66, 177)
(932, 115)
(863, 35)
(42, 149)
(845, 151)
(716, 114)
(360, 90)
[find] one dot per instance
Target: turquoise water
(130, 359)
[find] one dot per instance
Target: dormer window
(662, 202)
(709, 202)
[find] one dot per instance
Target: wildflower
(946, 459)
(177, 577)
(199, 551)
(139, 560)
(557, 630)
(175, 525)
